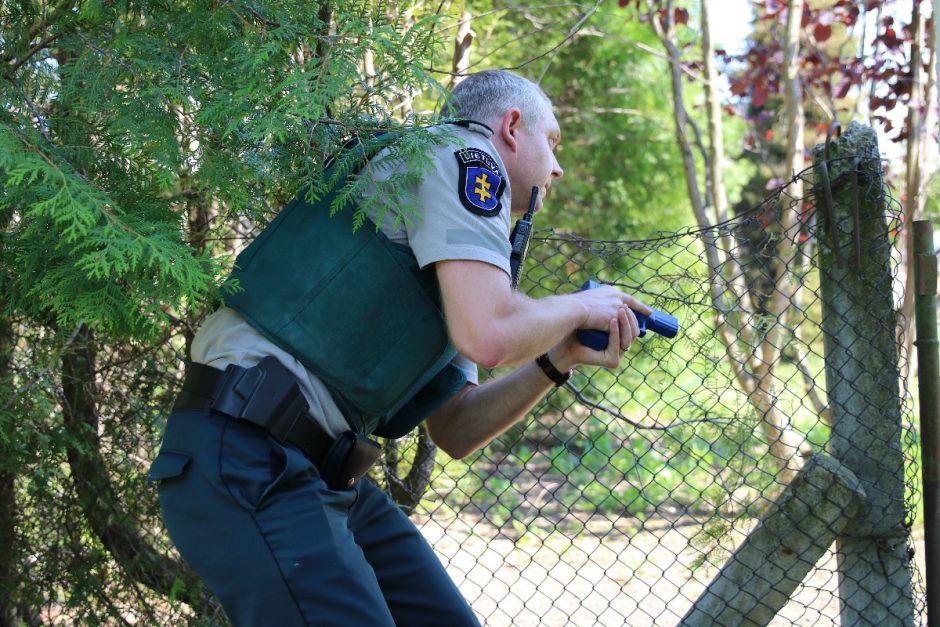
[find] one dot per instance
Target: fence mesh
(625, 491)
(617, 501)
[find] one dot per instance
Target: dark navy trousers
(277, 547)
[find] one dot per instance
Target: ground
(608, 574)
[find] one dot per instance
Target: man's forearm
(530, 327)
(481, 413)
(496, 326)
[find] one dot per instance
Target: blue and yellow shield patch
(481, 184)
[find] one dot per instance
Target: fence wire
(616, 502)
(624, 492)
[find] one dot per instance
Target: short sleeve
(468, 367)
(464, 204)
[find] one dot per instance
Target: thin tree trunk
(783, 441)
(758, 382)
(715, 130)
(8, 570)
(733, 275)
(8, 510)
(119, 533)
(461, 61)
(915, 181)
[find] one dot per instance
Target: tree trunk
(757, 381)
(408, 491)
(116, 530)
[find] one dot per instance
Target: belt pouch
(347, 460)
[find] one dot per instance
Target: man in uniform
(261, 468)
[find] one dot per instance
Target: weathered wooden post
(757, 581)
(862, 375)
(928, 376)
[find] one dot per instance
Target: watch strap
(558, 378)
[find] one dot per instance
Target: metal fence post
(928, 383)
(862, 376)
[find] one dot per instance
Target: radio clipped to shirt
(519, 240)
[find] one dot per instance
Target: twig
(619, 415)
(32, 51)
(514, 67)
(40, 118)
(571, 33)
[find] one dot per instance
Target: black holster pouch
(347, 460)
(268, 396)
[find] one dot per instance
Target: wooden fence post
(757, 581)
(928, 379)
(859, 329)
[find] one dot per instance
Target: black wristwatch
(557, 377)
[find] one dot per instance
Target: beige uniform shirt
(464, 206)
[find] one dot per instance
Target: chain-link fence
(730, 469)
(625, 492)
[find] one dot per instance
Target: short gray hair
(487, 95)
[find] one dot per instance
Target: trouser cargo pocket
(168, 465)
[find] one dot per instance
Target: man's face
(537, 165)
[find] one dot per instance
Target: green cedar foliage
(120, 119)
(141, 143)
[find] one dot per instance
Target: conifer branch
(254, 12)
(33, 107)
(41, 45)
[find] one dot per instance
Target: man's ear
(509, 125)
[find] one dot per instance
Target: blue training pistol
(657, 322)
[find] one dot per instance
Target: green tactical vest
(355, 309)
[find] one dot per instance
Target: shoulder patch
(480, 184)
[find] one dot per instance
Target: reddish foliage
(806, 18)
(890, 39)
(822, 32)
(758, 71)
(759, 94)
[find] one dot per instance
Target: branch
(33, 107)
(551, 50)
(706, 163)
(597, 110)
(619, 415)
(44, 43)
(821, 408)
(571, 33)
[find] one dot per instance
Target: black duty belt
(267, 395)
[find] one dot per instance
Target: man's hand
(495, 326)
(604, 303)
(477, 414)
(622, 331)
